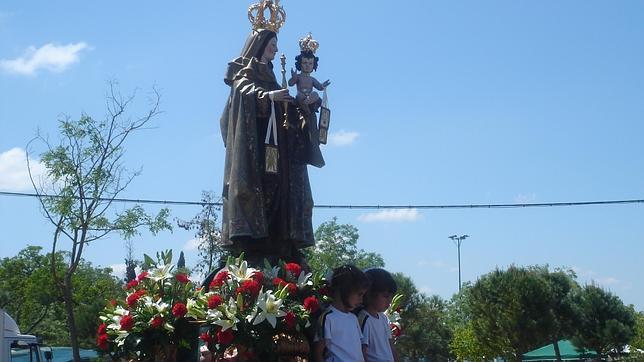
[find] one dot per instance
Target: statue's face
(270, 51)
(307, 65)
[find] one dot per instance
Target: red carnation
(179, 310)
(219, 279)
(127, 322)
(279, 282)
(206, 338)
(132, 299)
(225, 337)
(258, 276)
(132, 284)
(101, 341)
(156, 322)
(290, 319)
(182, 278)
(214, 301)
(311, 304)
(142, 276)
(102, 329)
(292, 288)
(250, 286)
(294, 269)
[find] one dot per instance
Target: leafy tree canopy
(336, 245)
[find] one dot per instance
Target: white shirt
(342, 336)
(376, 334)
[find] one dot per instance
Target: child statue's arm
(319, 86)
(294, 78)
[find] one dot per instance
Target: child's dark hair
(348, 279)
(381, 282)
(306, 54)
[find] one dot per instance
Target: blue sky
(433, 102)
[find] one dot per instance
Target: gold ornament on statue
(308, 43)
(258, 19)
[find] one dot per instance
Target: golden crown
(258, 19)
(308, 43)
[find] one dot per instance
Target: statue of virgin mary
(265, 214)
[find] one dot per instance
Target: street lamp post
(457, 241)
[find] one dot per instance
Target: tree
(464, 344)
(36, 302)
(181, 264)
(467, 347)
(426, 333)
(130, 262)
(515, 310)
(84, 175)
(336, 245)
(604, 322)
(29, 291)
(638, 339)
(207, 233)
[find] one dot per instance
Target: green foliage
(467, 347)
(410, 295)
(604, 322)
(516, 310)
(425, 329)
(36, 303)
(638, 339)
(26, 281)
(336, 245)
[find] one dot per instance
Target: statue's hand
(280, 95)
(293, 73)
(326, 83)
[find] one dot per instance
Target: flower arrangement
(150, 323)
(393, 313)
(256, 314)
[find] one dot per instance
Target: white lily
(241, 272)
(304, 279)
(161, 273)
(270, 307)
(271, 273)
(229, 316)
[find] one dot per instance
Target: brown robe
(267, 214)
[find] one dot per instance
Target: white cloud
(118, 270)
(425, 290)
(391, 215)
(55, 58)
(525, 198)
(13, 170)
(342, 138)
(192, 245)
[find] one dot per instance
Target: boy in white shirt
(377, 341)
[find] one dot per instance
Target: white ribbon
(272, 126)
(325, 101)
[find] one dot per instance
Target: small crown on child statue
(308, 43)
(257, 16)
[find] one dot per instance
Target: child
(306, 63)
(339, 337)
(376, 332)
